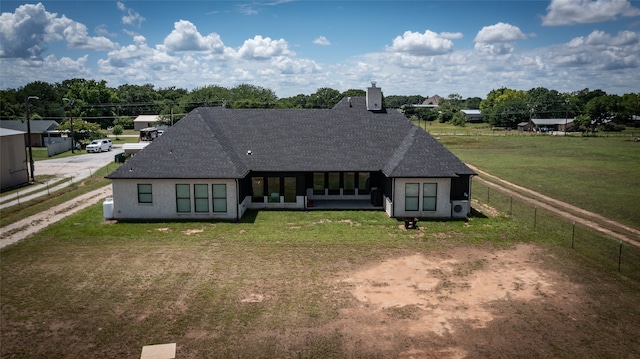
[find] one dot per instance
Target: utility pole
(73, 145)
(31, 163)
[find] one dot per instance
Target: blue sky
(292, 47)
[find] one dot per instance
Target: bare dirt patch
(418, 296)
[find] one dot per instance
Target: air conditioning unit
(460, 209)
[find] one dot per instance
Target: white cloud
(132, 17)
(185, 37)
(415, 43)
(49, 69)
(571, 12)
(287, 65)
(499, 32)
(451, 35)
(322, 41)
(260, 48)
(25, 33)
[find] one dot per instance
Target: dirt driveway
(563, 209)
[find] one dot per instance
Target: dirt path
(22, 229)
(581, 216)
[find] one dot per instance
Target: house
(430, 102)
(145, 121)
(472, 115)
(551, 124)
(216, 163)
(13, 167)
(43, 132)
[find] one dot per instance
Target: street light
(32, 164)
(73, 146)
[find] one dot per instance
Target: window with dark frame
(201, 197)
(257, 189)
(145, 193)
(183, 198)
(318, 183)
(363, 182)
(273, 186)
(290, 189)
(429, 196)
(411, 196)
(219, 192)
(334, 182)
(349, 186)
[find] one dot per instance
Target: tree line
(93, 103)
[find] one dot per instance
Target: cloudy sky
(409, 47)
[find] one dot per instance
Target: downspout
(393, 201)
(237, 201)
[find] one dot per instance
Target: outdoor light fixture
(31, 163)
(73, 146)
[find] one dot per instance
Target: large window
(201, 197)
(257, 189)
(290, 189)
(273, 184)
(349, 186)
(411, 196)
(318, 183)
(334, 182)
(363, 183)
(219, 197)
(145, 193)
(429, 195)
(183, 198)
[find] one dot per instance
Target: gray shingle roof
(37, 126)
(213, 143)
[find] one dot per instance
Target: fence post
(18, 195)
(487, 194)
(535, 216)
(620, 256)
(573, 234)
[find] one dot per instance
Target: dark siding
(460, 186)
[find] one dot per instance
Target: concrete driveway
(75, 167)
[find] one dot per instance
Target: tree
(472, 103)
(603, 109)
(117, 130)
(324, 98)
(125, 122)
(83, 131)
(506, 107)
(93, 100)
(547, 103)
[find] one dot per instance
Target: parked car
(99, 145)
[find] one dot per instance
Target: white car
(99, 145)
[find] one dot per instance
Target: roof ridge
(400, 151)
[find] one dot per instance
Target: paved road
(76, 167)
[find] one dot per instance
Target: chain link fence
(599, 249)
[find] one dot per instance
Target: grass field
(600, 174)
(280, 284)
(341, 284)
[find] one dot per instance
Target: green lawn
(87, 288)
(600, 174)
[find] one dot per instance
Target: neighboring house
(13, 167)
(430, 102)
(524, 126)
(551, 124)
(472, 115)
(43, 132)
(216, 163)
(145, 121)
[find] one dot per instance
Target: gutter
(237, 201)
